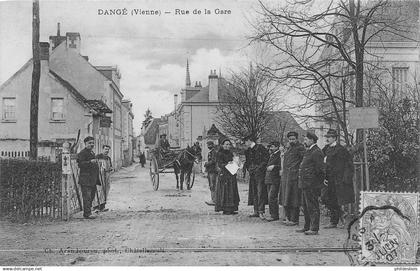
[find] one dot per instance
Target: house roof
(280, 124)
(75, 69)
(203, 95)
(97, 105)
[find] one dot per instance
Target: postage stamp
(388, 227)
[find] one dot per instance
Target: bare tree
(36, 75)
(245, 108)
(320, 52)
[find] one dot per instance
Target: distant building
(197, 110)
(127, 132)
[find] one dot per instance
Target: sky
(150, 51)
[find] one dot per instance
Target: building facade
(391, 65)
(74, 95)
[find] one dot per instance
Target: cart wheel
(154, 173)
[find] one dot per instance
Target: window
(57, 108)
(399, 78)
(9, 108)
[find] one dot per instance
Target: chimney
(73, 41)
(213, 86)
(175, 101)
(56, 40)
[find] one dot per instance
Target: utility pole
(36, 74)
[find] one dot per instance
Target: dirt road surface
(178, 221)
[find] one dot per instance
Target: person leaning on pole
(339, 177)
(311, 178)
(89, 175)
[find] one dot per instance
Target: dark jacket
(339, 172)
(312, 170)
(223, 157)
(164, 144)
(89, 171)
(256, 160)
(273, 176)
(292, 159)
(210, 165)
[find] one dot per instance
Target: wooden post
(65, 194)
(366, 159)
(36, 75)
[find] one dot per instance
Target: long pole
(36, 75)
(366, 158)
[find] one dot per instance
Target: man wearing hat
(256, 158)
(311, 177)
(272, 180)
(211, 170)
(290, 193)
(89, 175)
(339, 177)
(164, 143)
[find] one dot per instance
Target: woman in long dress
(227, 195)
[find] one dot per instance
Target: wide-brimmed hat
(331, 133)
(312, 136)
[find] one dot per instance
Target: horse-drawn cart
(169, 162)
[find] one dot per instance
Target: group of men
(89, 177)
(295, 178)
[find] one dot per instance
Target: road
(178, 221)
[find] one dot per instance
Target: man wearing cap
(311, 177)
(339, 177)
(290, 192)
(211, 170)
(89, 175)
(272, 180)
(256, 158)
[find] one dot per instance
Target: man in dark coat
(339, 177)
(211, 170)
(290, 192)
(311, 177)
(256, 158)
(89, 175)
(272, 180)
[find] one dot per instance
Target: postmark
(388, 227)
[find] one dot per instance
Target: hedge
(29, 189)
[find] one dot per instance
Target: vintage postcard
(122, 121)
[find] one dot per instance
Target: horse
(184, 164)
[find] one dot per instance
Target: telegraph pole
(36, 74)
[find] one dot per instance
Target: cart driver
(164, 143)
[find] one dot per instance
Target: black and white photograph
(185, 133)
